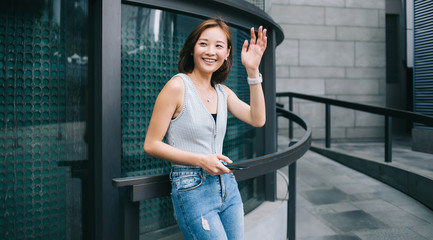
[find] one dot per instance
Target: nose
(210, 50)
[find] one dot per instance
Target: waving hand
(252, 55)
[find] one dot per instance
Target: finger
(260, 34)
(253, 36)
(262, 42)
(225, 169)
(245, 46)
(262, 37)
(224, 158)
(265, 38)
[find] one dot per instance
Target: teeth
(209, 60)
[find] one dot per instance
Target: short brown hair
(185, 63)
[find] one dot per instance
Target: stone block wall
(335, 49)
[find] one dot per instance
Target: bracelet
(253, 81)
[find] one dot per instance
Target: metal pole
(328, 126)
(270, 128)
(291, 203)
(130, 214)
(388, 139)
(290, 121)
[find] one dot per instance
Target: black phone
(236, 167)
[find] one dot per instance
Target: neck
(200, 79)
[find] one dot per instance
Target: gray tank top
(194, 129)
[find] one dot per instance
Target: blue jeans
(205, 206)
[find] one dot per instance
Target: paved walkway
(337, 203)
(402, 153)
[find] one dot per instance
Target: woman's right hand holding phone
(213, 166)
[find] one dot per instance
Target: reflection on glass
(151, 41)
(43, 77)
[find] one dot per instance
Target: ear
(228, 53)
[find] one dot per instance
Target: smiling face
(210, 50)
(213, 34)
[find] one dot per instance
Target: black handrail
(147, 187)
(416, 117)
(388, 113)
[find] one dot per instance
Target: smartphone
(236, 167)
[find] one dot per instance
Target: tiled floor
(337, 203)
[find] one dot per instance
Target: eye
(202, 44)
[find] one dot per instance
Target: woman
(191, 111)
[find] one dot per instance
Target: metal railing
(388, 114)
(136, 189)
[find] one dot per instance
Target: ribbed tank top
(194, 129)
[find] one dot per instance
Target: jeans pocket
(188, 182)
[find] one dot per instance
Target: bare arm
(255, 113)
(169, 103)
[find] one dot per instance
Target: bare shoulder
(227, 89)
(229, 92)
(173, 89)
(175, 85)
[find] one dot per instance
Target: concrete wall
(336, 49)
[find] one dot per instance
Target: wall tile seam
(339, 31)
(335, 40)
(378, 23)
(299, 53)
(362, 78)
(307, 24)
(344, 97)
(365, 8)
(313, 4)
(352, 26)
(334, 6)
(296, 5)
(378, 27)
(309, 78)
(329, 25)
(355, 8)
(362, 27)
(363, 41)
(316, 66)
(301, 78)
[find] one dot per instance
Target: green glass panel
(42, 118)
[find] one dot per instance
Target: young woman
(191, 111)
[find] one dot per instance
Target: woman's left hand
(252, 55)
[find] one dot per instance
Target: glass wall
(151, 41)
(43, 153)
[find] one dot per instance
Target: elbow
(147, 148)
(259, 123)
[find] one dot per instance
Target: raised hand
(252, 55)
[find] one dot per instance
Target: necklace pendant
(208, 100)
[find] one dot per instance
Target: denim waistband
(178, 171)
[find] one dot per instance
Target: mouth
(208, 60)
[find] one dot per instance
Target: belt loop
(203, 174)
(170, 175)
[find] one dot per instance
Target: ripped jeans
(205, 206)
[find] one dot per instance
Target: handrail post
(290, 121)
(131, 216)
(291, 203)
(328, 126)
(388, 139)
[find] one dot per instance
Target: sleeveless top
(194, 129)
